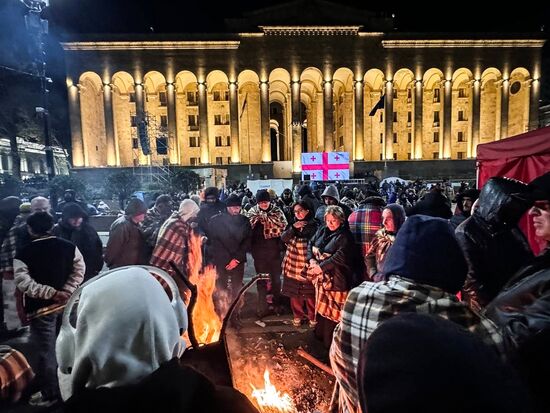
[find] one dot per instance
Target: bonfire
(206, 321)
(270, 400)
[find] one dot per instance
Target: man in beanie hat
(172, 244)
(155, 217)
(417, 363)
(522, 308)
(268, 223)
(209, 207)
(228, 241)
(424, 269)
(74, 227)
(126, 245)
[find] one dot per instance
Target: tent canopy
(532, 143)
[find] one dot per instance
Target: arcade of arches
(248, 120)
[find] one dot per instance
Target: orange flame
(205, 320)
(270, 400)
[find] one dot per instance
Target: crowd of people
(402, 291)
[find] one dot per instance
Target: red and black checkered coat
(171, 244)
(295, 282)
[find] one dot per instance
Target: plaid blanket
(273, 220)
(15, 374)
(370, 304)
(328, 303)
(171, 244)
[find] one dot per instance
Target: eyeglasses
(542, 205)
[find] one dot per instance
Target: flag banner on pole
(325, 166)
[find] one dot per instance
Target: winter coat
(341, 247)
(494, 246)
(150, 226)
(126, 245)
(86, 239)
(228, 238)
(263, 248)
(522, 311)
(170, 388)
(206, 213)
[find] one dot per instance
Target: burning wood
(206, 321)
(270, 400)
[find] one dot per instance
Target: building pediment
(310, 13)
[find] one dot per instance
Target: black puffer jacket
(206, 213)
(341, 247)
(86, 239)
(494, 246)
(522, 311)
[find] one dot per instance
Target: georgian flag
(325, 166)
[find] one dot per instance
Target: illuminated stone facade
(272, 93)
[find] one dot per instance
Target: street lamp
(38, 29)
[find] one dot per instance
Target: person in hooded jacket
(285, 202)
(393, 217)
(127, 361)
(306, 194)
(494, 246)
(74, 227)
(464, 202)
(433, 204)
(330, 196)
(424, 270)
(296, 285)
(522, 308)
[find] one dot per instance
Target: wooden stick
(314, 361)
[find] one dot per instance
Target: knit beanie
(262, 195)
(418, 363)
(233, 200)
(135, 207)
(211, 191)
(73, 211)
(425, 250)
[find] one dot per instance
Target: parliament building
(266, 90)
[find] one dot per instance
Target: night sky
(139, 16)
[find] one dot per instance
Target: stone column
(296, 127)
(328, 124)
(447, 119)
(388, 116)
(140, 117)
(203, 123)
(234, 121)
(109, 124)
(534, 95)
(173, 141)
(476, 113)
(418, 105)
(264, 121)
(76, 126)
(359, 121)
(504, 98)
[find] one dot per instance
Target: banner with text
(325, 166)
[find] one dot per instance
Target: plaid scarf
(273, 220)
(15, 374)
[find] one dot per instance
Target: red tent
(522, 157)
